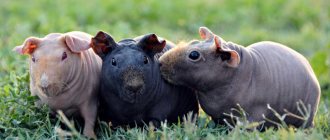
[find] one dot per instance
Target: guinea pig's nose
(134, 88)
(160, 64)
(44, 88)
(44, 81)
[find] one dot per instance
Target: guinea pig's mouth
(132, 96)
(168, 75)
(51, 90)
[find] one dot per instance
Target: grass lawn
(303, 25)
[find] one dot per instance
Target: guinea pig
(132, 91)
(64, 74)
(263, 75)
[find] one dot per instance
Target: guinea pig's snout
(44, 81)
(45, 86)
(133, 80)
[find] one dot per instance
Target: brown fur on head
(195, 64)
(50, 60)
(168, 61)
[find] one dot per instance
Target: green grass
(301, 24)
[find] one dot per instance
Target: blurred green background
(303, 25)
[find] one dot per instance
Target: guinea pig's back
(288, 73)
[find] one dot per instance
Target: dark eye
(64, 56)
(113, 62)
(194, 55)
(145, 60)
(33, 59)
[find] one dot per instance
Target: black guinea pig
(132, 90)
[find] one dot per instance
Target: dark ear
(29, 45)
(205, 33)
(151, 44)
(102, 44)
(227, 55)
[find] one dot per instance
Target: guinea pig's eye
(194, 55)
(33, 59)
(145, 60)
(113, 62)
(64, 56)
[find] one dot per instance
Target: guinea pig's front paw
(90, 134)
(154, 124)
(38, 103)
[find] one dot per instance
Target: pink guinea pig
(64, 74)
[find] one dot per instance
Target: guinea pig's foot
(38, 103)
(90, 134)
(52, 114)
(154, 125)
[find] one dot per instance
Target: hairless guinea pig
(132, 91)
(64, 73)
(260, 76)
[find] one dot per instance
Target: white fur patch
(44, 80)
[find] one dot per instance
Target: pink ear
(76, 44)
(205, 33)
(234, 59)
(29, 45)
(18, 49)
(218, 43)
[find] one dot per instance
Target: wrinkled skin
(227, 74)
(132, 90)
(64, 73)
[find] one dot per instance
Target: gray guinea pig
(227, 74)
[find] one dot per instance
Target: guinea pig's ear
(102, 44)
(75, 43)
(150, 44)
(227, 55)
(205, 33)
(29, 45)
